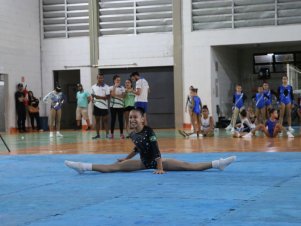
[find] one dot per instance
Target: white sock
(223, 163)
(79, 166)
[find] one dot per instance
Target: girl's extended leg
(176, 165)
(282, 111)
(125, 166)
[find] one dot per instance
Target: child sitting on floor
(272, 128)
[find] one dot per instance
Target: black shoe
(88, 128)
(77, 128)
(96, 137)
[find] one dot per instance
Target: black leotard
(147, 146)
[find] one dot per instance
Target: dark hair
(129, 81)
(20, 85)
(272, 110)
(205, 107)
(194, 90)
(115, 77)
(243, 113)
(100, 74)
(135, 73)
(30, 97)
(139, 109)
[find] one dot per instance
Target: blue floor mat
(257, 189)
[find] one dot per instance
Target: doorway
(68, 79)
(161, 98)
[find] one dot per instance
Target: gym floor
(261, 188)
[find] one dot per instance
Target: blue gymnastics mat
(257, 189)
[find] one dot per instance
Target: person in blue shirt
(83, 99)
(238, 104)
(146, 145)
(286, 98)
(260, 106)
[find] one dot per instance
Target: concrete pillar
(177, 52)
(93, 35)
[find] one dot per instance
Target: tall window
(70, 18)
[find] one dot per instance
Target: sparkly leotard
(147, 146)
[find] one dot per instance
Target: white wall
(224, 76)
(19, 48)
(198, 57)
(145, 50)
(60, 52)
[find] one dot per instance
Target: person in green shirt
(129, 102)
(83, 99)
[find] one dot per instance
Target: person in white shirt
(117, 93)
(141, 92)
(100, 94)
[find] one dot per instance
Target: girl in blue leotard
(271, 128)
(286, 98)
(268, 98)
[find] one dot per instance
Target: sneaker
(181, 132)
(291, 129)
(223, 163)
(290, 135)
(96, 137)
(110, 136)
(75, 165)
(248, 135)
(58, 134)
(280, 134)
(51, 135)
(122, 137)
(229, 127)
(232, 130)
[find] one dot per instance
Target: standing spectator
(238, 104)
(83, 99)
(268, 98)
(260, 106)
(196, 114)
(20, 107)
(141, 92)
(57, 99)
(101, 95)
(33, 110)
(129, 103)
(286, 98)
(188, 106)
(117, 93)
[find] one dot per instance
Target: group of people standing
(266, 118)
(117, 100)
(26, 102)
